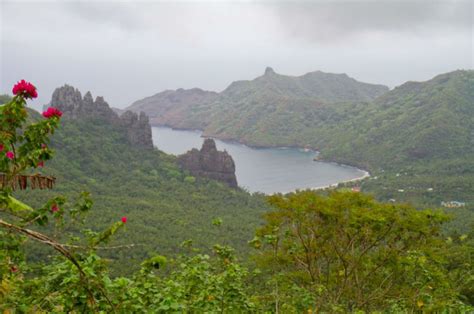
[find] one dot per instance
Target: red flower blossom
(54, 208)
(26, 89)
(52, 112)
(10, 155)
(13, 269)
(1, 147)
(43, 146)
(41, 164)
(124, 219)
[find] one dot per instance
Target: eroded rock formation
(138, 128)
(70, 101)
(210, 163)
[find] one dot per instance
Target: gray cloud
(338, 20)
(122, 15)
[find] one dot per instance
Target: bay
(266, 170)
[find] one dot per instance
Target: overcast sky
(125, 51)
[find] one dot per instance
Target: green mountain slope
(417, 138)
(164, 205)
(324, 87)
(416, 121)
(246, 108)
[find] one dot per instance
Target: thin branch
(102, 247)
(58, 247)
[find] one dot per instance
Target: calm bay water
(268, 170)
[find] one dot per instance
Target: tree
(346, 251)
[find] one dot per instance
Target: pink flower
(10, 155)
(26, 89)
(124, 219)
(54, 208)
(52, 112)
(13, 269)
(41, 164)
(43, 146)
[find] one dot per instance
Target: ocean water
(266, 170)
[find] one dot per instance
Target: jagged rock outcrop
(138, 127)
(210, 163)
(269, 71)
(70, 101)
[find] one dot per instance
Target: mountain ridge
(316, 87)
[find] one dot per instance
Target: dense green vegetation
(416, 140)
(164, 206)
(346, 252)
(416, 121)
(337, 252)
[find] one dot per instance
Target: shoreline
(364, 176)
(365, 173)
(318, 188)
(231, 140)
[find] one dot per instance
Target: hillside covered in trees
(316, 252)
(416, 138)
(165, 206)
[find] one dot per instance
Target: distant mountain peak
(269, 71)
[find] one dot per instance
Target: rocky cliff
(210, 163)
(138, 128)
(70, 101)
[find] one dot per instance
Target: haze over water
(269, 170)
